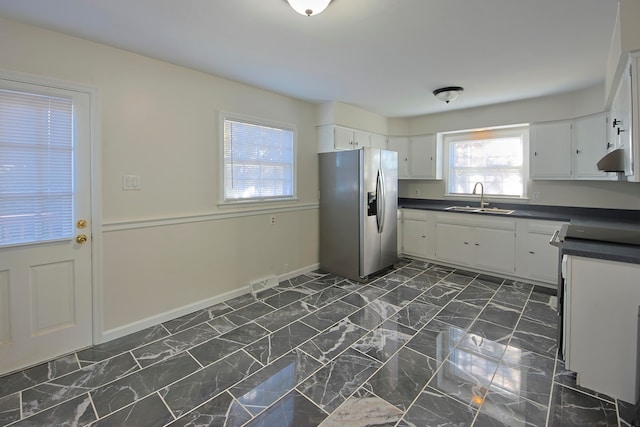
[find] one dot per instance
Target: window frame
(225, 116)
(517, 130)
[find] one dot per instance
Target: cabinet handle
(424, 237)
(609, 145)
(535, 153)
(466, 243)
(577, 151)
(620, 131)
(477, 244)
(531, 252)
(616, 122)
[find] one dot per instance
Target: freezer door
(389, 231)
(369, 194)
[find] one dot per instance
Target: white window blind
(36, 167)
(494, 157)
(258, 162)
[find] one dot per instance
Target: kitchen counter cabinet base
(601, 308)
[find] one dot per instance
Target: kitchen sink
(496, 211)
(462, 209)
(479, 210)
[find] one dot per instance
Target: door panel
(389, 235)
(370, 238)
(45, 286)
(52, 294)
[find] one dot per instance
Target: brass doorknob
(81, 238)
(81, 223)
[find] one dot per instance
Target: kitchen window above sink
(494, 157)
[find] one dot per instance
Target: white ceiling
(385, 56)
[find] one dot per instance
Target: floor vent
(262, 284)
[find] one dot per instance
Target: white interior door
(45, 217)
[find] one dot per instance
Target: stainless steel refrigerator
(358, 205)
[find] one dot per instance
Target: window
(36, 167)
(258, 161)
(494, 157)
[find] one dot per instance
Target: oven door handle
(554, 241)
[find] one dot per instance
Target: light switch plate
(131, 182)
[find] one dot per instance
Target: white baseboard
(298, 272)
(139, 325)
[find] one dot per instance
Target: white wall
(169, 247)
(338, 113)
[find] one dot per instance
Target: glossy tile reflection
(418, 345)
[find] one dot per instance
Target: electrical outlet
(536, 195)
(416, 192)
(272, 220)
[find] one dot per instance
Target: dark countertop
(610, 217)
(602, 250)
(607, 218)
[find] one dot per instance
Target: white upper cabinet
(423, 157)
(625, 118)
(350, 139)
(400, 144)
(417, 156)
(590, 141)
(551, 150)
(332, 138)
(569, 149)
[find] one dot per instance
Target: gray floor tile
(421, 344)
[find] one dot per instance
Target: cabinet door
(414, 238)
(454, 243)
(551, 150)
(378, 141)
(624, 130)
(590, 140)
(422, 159)
(400, 144)
(342, 138)
(361, 139)
(601, 317)
(541, 258)
(495, 249)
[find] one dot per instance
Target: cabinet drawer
(415, 214)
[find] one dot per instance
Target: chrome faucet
(483, 204)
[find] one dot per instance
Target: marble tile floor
(421, 345)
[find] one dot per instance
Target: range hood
(613, 161)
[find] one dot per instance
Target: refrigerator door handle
(381, 199)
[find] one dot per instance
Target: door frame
(95, 185)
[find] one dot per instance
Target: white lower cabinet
(515, 247)
(600, 320)
(417, 233)
(477, 246)
(536, 259)
(495, 249)
(453, 243)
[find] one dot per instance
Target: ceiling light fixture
(448, 94)
(309, 7)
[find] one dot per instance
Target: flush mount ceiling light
(309, 7)
(448, 94)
